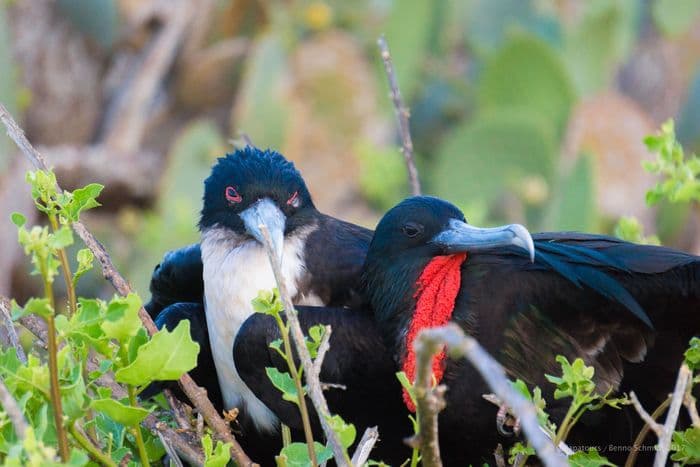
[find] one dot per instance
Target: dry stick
(9, 334)
(689, 402)
(365, 446)
(402, 115)
(196, 394)
(664, 446)
(650, 420)
(312, 382)
(13, 411)
(459, 345)
(429, 402)
(632, 457)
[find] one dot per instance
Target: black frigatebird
(627, 310)
(229, 267)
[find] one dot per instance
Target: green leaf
(527, 75)
(573, 207)
(297, 455)
(61, 238)
(81, 200)
(85, 259)
(589, 458)
(261, 108)
(284, 383)
(346, 431)
(316, 334)
(692, 355)
(121, 413)
(519, 449)
(167, 356)
(406, 384)
(37, 306)
(686, 446)
(18, 219)
(215, 457)
(122, 319)
(674, 17)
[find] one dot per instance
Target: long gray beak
(265, 212)
(460, 236)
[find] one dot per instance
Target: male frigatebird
(321, 258)
(627, 310)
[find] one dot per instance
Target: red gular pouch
(436, 292)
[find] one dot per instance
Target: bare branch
(459, 345)
(402, 115)
(323, 347)
(312, 382)
(174, 458)
(13, 411)
(8, 333)
(632, 457)
(664, 446)
(429, 401)
(690, 404)
(648, 419)
(135, 105)
(196, 394)
(365, 446)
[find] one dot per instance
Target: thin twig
(402, 115)
(498, 456)
(690, 404)
(323, 347)
(632, 457)
(664, 446)
(196, 394)
(174, 458)
(312, 382)
(648, 419)
(9, 333)
(13, 411)
(365, 446)
(459, 345)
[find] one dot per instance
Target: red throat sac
(436, 292)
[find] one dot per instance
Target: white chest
(235, 270)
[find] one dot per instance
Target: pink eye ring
(232, 195)
(294, 200)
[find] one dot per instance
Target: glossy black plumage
(357, 359)
(628, 310)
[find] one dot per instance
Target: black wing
(334, 255)
(597, 297)
(357, 359)
(205, 372)
(178, 278)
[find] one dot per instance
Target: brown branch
(8, 333)
(429, 401)
(402, 115)
(313, 384)
(196, 394)
(690, 404)
(13, 411)
(459, 345)
(135, 105)
(664, 445)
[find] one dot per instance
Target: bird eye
(411, 229)
(232, 195)
(294, 200)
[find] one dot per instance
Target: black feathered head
(252, 186)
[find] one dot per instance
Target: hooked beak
(265, 212)
(460, 237)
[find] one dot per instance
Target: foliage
(291, 386)
(103, 422)
(630, 229)
(575, 383)
(680, 173)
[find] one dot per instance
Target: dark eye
(411, 229)
(294, 200)
(232, 195)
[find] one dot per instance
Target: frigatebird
(627, 310)
(213, 283)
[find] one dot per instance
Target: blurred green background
(528, 111)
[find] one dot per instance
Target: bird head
(412, 272)
(252, 187)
